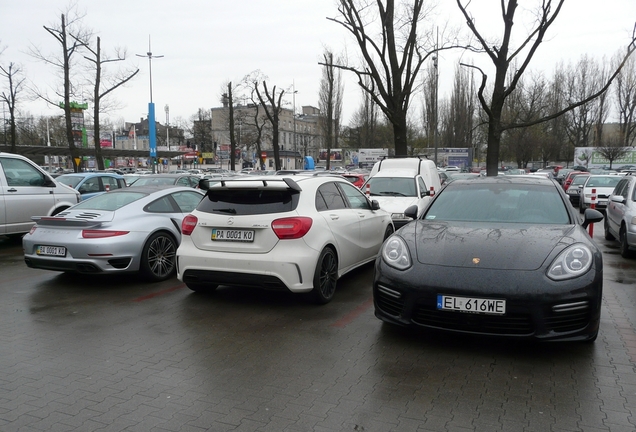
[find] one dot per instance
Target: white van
(27, 190)
(423, 166)
(400, 183)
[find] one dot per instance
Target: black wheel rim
(328, 275)
(161, 255)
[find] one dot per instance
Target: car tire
(201, 287)
(158, 257)
(625, 251)
(608, 234)
(325, 276)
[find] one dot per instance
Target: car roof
(94, 174)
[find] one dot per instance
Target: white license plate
(51, 250)
(236, 235)
(471, 304)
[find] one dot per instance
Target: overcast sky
(206, 43)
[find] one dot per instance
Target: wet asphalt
(90, 353)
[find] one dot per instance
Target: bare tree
(330, 101)
(271, 101)
(392, 59)
(502, 54)
(626, 101)
(14, 85)
(71, 38)
(99, 94)
(612, 149)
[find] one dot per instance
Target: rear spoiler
(204, 184)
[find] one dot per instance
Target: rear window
(249, 201)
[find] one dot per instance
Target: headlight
(572, 262)
(398, 216)
(396, 254)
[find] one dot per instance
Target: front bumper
(536, 307)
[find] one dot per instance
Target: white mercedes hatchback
(277, 232)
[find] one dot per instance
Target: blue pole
(152, 132)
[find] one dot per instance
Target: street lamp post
(152, 127)
(294, 119)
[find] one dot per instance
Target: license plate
(232, 235)
(471, 305)
(51, 250)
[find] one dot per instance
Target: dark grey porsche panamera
(495, 256)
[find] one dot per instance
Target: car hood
(395, 204)
(487, 246)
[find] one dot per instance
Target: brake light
(93, 234)
(188, 224)
(291, 228)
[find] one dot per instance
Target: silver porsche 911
(126, 230)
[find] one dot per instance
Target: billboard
(335, 155)
(589, 157)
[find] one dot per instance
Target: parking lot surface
(86, 353)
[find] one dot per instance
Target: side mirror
(591, 216)
(617, 199)
(375, 205)
(411, 212)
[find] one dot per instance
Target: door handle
(12, 190)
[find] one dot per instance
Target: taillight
(291, 228)
(188, 224)
(93, 234)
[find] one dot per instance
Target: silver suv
(27, 190)
(620, 215)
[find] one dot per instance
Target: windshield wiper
(226, 210)
(390, 193)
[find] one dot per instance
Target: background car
(127, 230)
(183, 179)
(356, 179)
(90, 184)
(603, 185)
(620, 216)
(574, 190)
(495, 256)
(567, 181)
(27, 190)
(298, 233)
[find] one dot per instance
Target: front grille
(568, 317)
(389, 300)
(511, 324)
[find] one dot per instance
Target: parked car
(620, 216)
(356, 179)
(298, 233)
(603, 185)
(91, 184)
(494, 256)
(567, 181)
(127, 230)
(183, 179)
(399, 183)
(574, 190)
(27, 190)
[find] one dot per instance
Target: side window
(162, 205)
(90, 185)
(187, 201)
(633, 190)
(331, 196)
(112, 183)
(183, 181)
(620, 188)
(422, 185)
(21, 173)
(356, 199)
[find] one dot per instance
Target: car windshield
(579, 179)
(110, 201)
(499, 203)
(393, 186)
(607, 181)
(69, 180)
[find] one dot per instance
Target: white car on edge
(298, 233)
